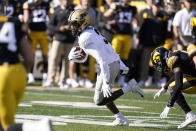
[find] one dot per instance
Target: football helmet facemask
(193, 26)
(158, 58)
(78, 21)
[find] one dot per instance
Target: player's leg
(124, 54)
(19, 74)
(100, 100)
(7, 99)
(188, 87)
(33, 41)
(44, 48)
(117, 45)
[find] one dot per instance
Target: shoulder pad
(191, 49)
(172, 60)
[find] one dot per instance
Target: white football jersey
(94, 44)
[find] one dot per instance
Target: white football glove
(107, 90)
(165, 112)
(75, 54)
(160, 92)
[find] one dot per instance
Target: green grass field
(74, 110)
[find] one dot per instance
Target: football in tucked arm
(81, 52)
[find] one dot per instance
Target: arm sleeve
(176, 89)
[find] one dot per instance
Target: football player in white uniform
(93, 43)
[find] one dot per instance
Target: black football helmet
(158, 58)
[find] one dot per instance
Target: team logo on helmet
(156, 57)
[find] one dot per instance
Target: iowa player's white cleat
(189, 120)
(120, 122)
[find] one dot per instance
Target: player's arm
(26, 52)
(110, 11)
(176, 24)
(170, 81)
(176, 90)
(25, 13)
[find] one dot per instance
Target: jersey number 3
(7, 36)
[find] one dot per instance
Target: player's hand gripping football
(160, 92)
(107, 91)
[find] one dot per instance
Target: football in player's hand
(82, 53)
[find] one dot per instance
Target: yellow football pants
(41, 39)
(122, 45)
(189, 85)
(12, 85)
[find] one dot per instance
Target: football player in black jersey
(35, 13)
(14, 8)
(181, 65)
(170, 9)
(123, 14)
(14, 42)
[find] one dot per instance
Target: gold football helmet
(78, 20)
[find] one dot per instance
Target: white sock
(118, 115)
(190, 113)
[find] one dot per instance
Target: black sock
(45, 70)
(182, 103)
(15, 127)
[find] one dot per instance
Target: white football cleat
(63, 86)
(72, 82)
(88, 83)
(31, 79)
(42, 125)
(135, 88)
(148, 82)
(120, 122)
(48, 84)
(44, 78)
(46, 125)
(189, 120)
